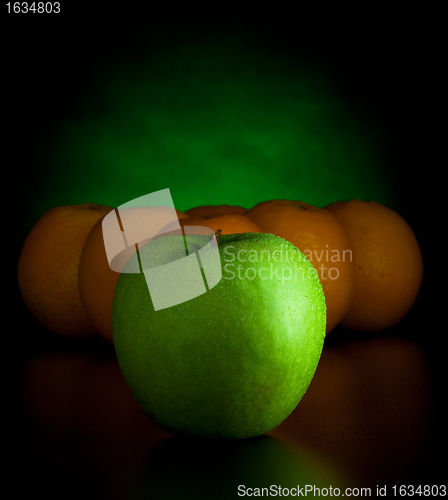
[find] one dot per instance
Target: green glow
(215, 124)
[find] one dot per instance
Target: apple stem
(217, 235)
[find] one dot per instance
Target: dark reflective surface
(366, 419)
(200, 469)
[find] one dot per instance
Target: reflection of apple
(234, 361)
(199, 468)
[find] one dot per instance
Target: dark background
(393, 61)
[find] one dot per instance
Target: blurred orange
(97, 281)
(227, 223)
(215, 210)
(388, 264)
(48, 268)
(319, 235)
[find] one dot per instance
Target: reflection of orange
(48, 268)
(229, 224)
(81, 395)
(214, 210)
(388, 264)
(357, 387)
(97, 281)
(318, 234)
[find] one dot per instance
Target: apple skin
(233, 362)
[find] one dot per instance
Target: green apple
(232, 362)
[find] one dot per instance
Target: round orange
(48, 268)
(227, 223)
(215, 210)
(97, 280)
(388, 264)
(319, 235)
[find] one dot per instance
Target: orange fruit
(228, 223)
(214, 210)
(97, 280)
(48, 268)
(319, 235)
(388, 264)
